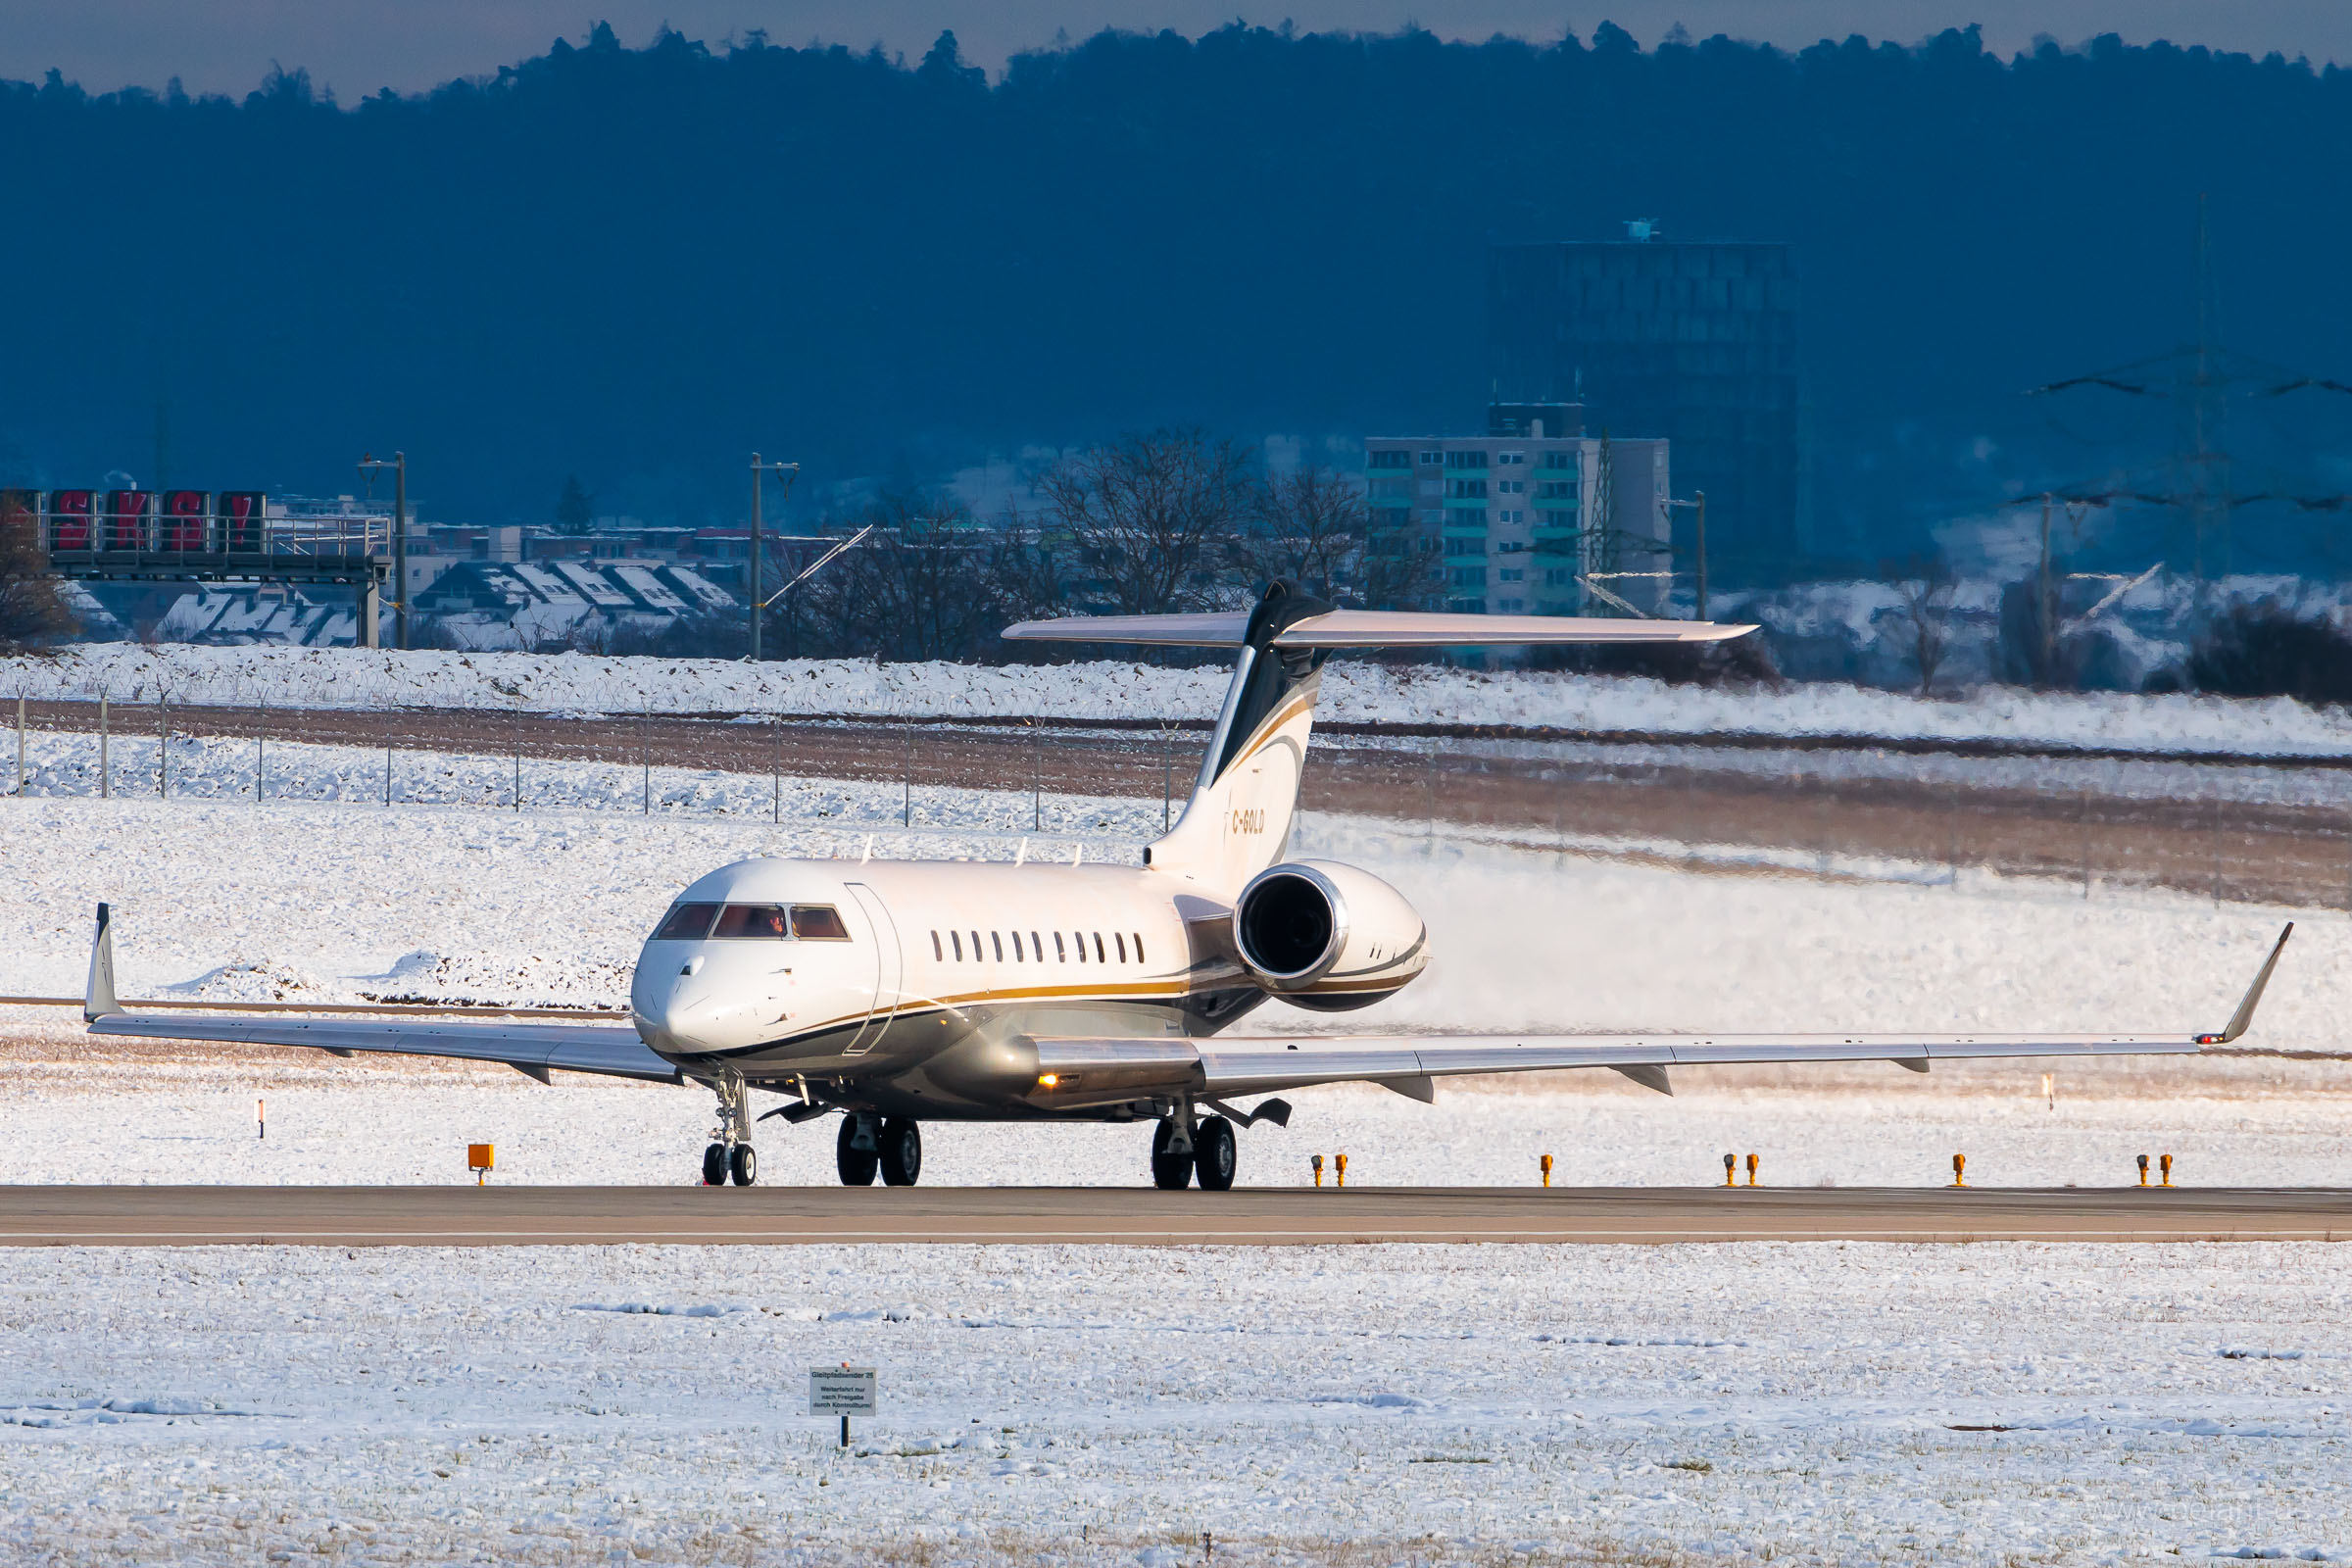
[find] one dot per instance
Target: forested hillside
(638, 265)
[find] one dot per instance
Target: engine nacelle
(1326, 936)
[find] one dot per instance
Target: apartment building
(1534, 518)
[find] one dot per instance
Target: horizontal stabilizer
(1369, 628)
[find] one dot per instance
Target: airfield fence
(2229, 829)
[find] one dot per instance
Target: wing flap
(533, 1048)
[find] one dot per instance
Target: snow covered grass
(1353, 690)
(1822, 1402)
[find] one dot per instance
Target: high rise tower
(1696, 342)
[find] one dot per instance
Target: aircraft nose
(672, 1006)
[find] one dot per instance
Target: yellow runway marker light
(1959, 1170)
(2143, 1170)
(2168, 1170)
(1751, 1170)
(480, 1157)
(1546, 1162)
(1316, 1160)
(1730, 1166)
(1340, 1168)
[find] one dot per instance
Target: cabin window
(977, 953)
(819, 922)
(752, 922)
(996, 939)
(1016, 945)
(1060, 953)
(959, 941)
(1121, 940)
(1099, 959)
(688, 922)
(938, 952)
(1081, 936)
(1037, 947)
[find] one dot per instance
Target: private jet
(895, 993)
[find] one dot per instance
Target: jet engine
(1326, 936)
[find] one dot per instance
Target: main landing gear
(870, 1145)
(730, 1153)
(1207, 1151)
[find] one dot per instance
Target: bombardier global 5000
(895, 993)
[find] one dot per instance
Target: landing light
(1047, 1080)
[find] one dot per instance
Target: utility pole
(398, 464)
(787, 472)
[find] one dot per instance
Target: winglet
(2243, 1019)
(98, 1000)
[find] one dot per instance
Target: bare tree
(1033, 571)
(32, 601)
(1926, 588)
(1149, 516)
(929, 582)
(1310, 525)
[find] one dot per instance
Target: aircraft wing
(1081, 1069)
(531, 1049)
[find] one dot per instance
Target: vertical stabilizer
(1238, 820)
(98, 998)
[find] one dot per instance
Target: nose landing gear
(730, 1153)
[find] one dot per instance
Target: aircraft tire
(1213, 1154)
(902, 1152)
(715, 1165)
(1171, 1172)
(744, 1166)
(856, 1165)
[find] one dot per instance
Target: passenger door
(890, 970)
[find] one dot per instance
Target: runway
(523, 1216)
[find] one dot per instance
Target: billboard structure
(132, 535)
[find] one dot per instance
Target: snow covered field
(1364, 1405)
(1354, 691)
(337, 902)
(1812, 1403)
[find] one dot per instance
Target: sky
(358, 46)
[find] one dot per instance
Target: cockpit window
(687, 922)
(819, 922)
(752, 922)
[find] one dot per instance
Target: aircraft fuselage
(911, 989)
